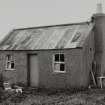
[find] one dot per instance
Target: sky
(31, 13)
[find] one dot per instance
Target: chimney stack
(99, 8)
(99, 40)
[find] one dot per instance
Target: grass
(47, 97)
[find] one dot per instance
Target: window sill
(59, 71)
(10, 69)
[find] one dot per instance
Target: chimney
(99, 8)
(99, 40)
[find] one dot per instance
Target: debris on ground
(13, 88)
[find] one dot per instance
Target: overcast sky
(31, 13)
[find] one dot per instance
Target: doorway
(33, 67)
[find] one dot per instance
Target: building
(58, 56)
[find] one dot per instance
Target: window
(59, 63)
(9, 62)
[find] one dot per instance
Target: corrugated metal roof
(55, 37)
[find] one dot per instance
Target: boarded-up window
(59, 63)
(10, 62)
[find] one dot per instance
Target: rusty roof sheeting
(57, 37)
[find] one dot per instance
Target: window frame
(58, 62)
(11, 60)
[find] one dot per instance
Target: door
(33, 68)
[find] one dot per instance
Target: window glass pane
(57, 57)
(57, 66)
(12, 65)
(8, 65)
(62, 67)
(62, 57)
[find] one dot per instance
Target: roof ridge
(56, 25)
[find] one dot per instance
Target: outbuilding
(57, 56)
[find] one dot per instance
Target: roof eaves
(79, 47)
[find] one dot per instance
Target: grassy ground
(34, 97)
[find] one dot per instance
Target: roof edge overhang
(47, 49)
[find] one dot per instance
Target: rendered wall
(73, 78)
(17, 75)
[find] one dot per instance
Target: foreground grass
(35, 97)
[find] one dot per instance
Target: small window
(10, 62)
(58, 63)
